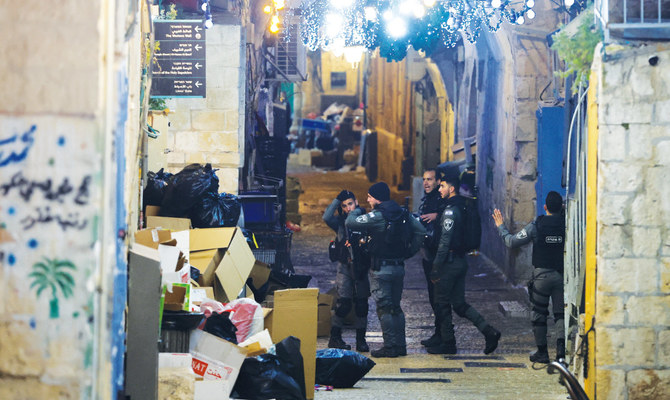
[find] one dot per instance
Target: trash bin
(176, 330)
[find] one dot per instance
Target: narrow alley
(505, 374)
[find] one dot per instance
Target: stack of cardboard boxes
(226, 261)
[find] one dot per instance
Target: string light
(423, 24)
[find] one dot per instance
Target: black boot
(401, 350)
(448, 347)
(541, 355)
(560, 350)
(492, 336)
(336, 341)
(390, 352)
(361, 344)
(432, 341)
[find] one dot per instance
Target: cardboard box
(179, 299)
(211, 390)
(216, 359)
(295, 314)
(259, 273)
(223, 258)
(152, 237)
(152, 211)
(173, 224)
(324, 314)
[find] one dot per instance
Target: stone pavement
(505, 374)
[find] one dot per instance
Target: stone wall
(63, 110)
(211, 130)
(633, 262)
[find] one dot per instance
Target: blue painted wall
(550, 153)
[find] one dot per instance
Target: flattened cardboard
(173, 224)
(295, 314)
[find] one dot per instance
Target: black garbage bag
(219, 324)
(186, 188)
(155, 190)
(270, 376)
(341, 368)
(215, 210)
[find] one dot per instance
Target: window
(338, 80)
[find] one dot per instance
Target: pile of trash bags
(192, 193)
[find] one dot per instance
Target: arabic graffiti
(53, 274)
(44, 215)
(15, 148)
(50, 190)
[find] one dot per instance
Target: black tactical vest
(548, 248)
(384, 246)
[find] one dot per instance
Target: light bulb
(353, 54)
(495, 3)
(334, 23)
(569, 3)
(388, 15)
(274, 28)
(520, 20)
(419, 11)
(267, 9)
(397, 27)
(530, 3)
(429, 3)
(370, 14)
(279, 4)
(204, 6)
(208, 23)
(530, 14)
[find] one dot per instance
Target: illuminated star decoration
(393, 25)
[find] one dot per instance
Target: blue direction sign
(179, 62)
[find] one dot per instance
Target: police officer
(432, 205)
(387, 265)
(448, 273)
(547, 233)
(353, 286)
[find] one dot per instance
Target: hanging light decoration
(393, 25)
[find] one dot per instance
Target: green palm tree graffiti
(53, 274)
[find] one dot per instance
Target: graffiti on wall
(55, 276)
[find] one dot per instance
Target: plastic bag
(220, 325)
(209, 307)
(270, 376)
(155, 190)
(186, 188)
(341, 368)
(247, 315)
(215, 210)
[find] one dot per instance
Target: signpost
(179, 66)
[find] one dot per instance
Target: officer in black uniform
(547, 233)
(387, 265)
(449, 270)
(432, 205)
(353, 286)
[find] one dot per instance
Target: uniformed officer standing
(432, 205)
(547, 233)
(353, 286)
(448, 273)
(387, 265)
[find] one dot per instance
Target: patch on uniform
(522, 234)
(362, 219)
(448, 212)
(448, 224)
(553, 239)
(371, 214)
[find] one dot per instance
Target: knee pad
(361, 307)
(461, 308)
(343, 307)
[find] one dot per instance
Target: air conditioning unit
(289, 56)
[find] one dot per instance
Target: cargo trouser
(546, 283)
(387, 284)
(351, 292)
(450, 292)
